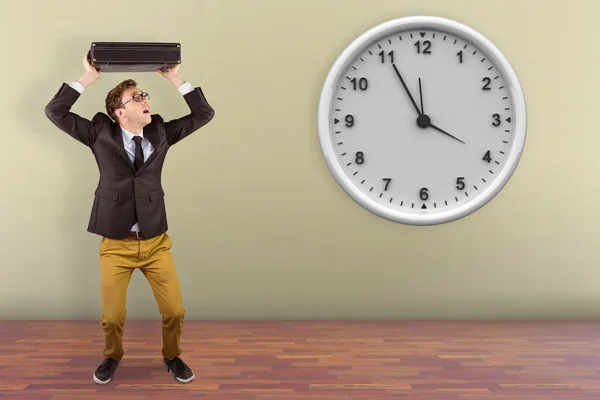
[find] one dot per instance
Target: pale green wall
(261, 230)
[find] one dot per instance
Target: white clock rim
(459, 30)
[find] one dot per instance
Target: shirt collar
(128, 136)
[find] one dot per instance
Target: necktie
(139, 153)
(138, 159)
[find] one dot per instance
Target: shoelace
(176, 365)
(106, 365)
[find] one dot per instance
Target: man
(128, 211)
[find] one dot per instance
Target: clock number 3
(496, 120)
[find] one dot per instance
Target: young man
(128, 211)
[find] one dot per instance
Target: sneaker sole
(186, 380)
(99, 382)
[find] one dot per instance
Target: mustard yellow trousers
(118, 260)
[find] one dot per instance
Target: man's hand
(172, 74)
(91, 74)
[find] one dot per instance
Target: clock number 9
(360, 157)
(349, 120)
(362, 83)
(423, 194)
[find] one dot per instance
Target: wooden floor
(311, 360)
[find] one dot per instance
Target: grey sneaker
(105, 371)
(181, 371)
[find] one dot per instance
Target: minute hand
(444, 132)
(405, 88)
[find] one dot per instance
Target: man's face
(137, 113)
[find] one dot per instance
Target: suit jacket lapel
(150, 134)
(118, 138)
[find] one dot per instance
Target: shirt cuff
(185, 88)
(77, 86)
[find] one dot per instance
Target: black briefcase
(134, 56)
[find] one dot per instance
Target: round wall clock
(422, 120)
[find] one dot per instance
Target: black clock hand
(438, 129)
(425, 122)
(405, 88)
(421, 96)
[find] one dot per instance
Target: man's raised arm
(59, 112)
(201, 112)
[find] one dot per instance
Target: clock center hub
(423, 121)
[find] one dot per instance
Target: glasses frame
(141, 96)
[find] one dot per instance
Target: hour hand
(444, 132)
(406, 89)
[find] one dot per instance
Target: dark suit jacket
(121, 191)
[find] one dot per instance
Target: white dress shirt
(128, 136)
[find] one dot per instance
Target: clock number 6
(423, 194)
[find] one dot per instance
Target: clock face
(422, 120)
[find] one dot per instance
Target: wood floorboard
(309, 360)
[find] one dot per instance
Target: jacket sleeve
(58, 110)
(201, 113)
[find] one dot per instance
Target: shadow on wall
(82, 282)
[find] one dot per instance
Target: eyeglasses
(137, 97)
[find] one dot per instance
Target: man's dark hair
(113, 98)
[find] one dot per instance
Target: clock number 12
(426, 46)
